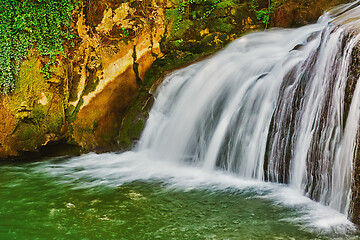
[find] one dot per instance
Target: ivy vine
(25, 24)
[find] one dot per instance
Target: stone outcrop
(110, 65)
(352, 27)
(100, 95)
(298, 13)
(34, 114)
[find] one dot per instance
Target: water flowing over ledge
(272, 106)
(280, 106)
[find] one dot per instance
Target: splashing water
(279, 106)
(271, 106)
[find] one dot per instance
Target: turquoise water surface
(88, 197)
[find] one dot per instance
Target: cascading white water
(271, 107)
(222, 107)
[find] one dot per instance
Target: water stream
(271, 106)
(130, 196)
(256, 142)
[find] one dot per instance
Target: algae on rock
(35, 111)
(98, 97)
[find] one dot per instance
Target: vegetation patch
(191, 10)
(265, 9)
(40, 24)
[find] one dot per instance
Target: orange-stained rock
(298, 13)
(115, 66)
(99, 96)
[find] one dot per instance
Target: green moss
(29, 87)
(54, 121)
(27, 137)
(29, 75)
(70, 110)
(137, 128)
(184, 27)
(134, 121)
(162, 65)
(38, 113)
(171, 15)
(223, 25)
(71, 116)
(27, 132)
(71, 140)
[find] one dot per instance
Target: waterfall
(281, 106)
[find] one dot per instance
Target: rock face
(100, 95)
(298, 13)
(34, 113)
(352, 26)
(110, 65)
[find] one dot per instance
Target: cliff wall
(100, 90)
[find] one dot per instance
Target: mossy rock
(133, 123)
(37, 106)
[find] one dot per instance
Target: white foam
(222, 108)
(313, 215)
(111, 170)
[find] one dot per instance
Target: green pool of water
(39, 205)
